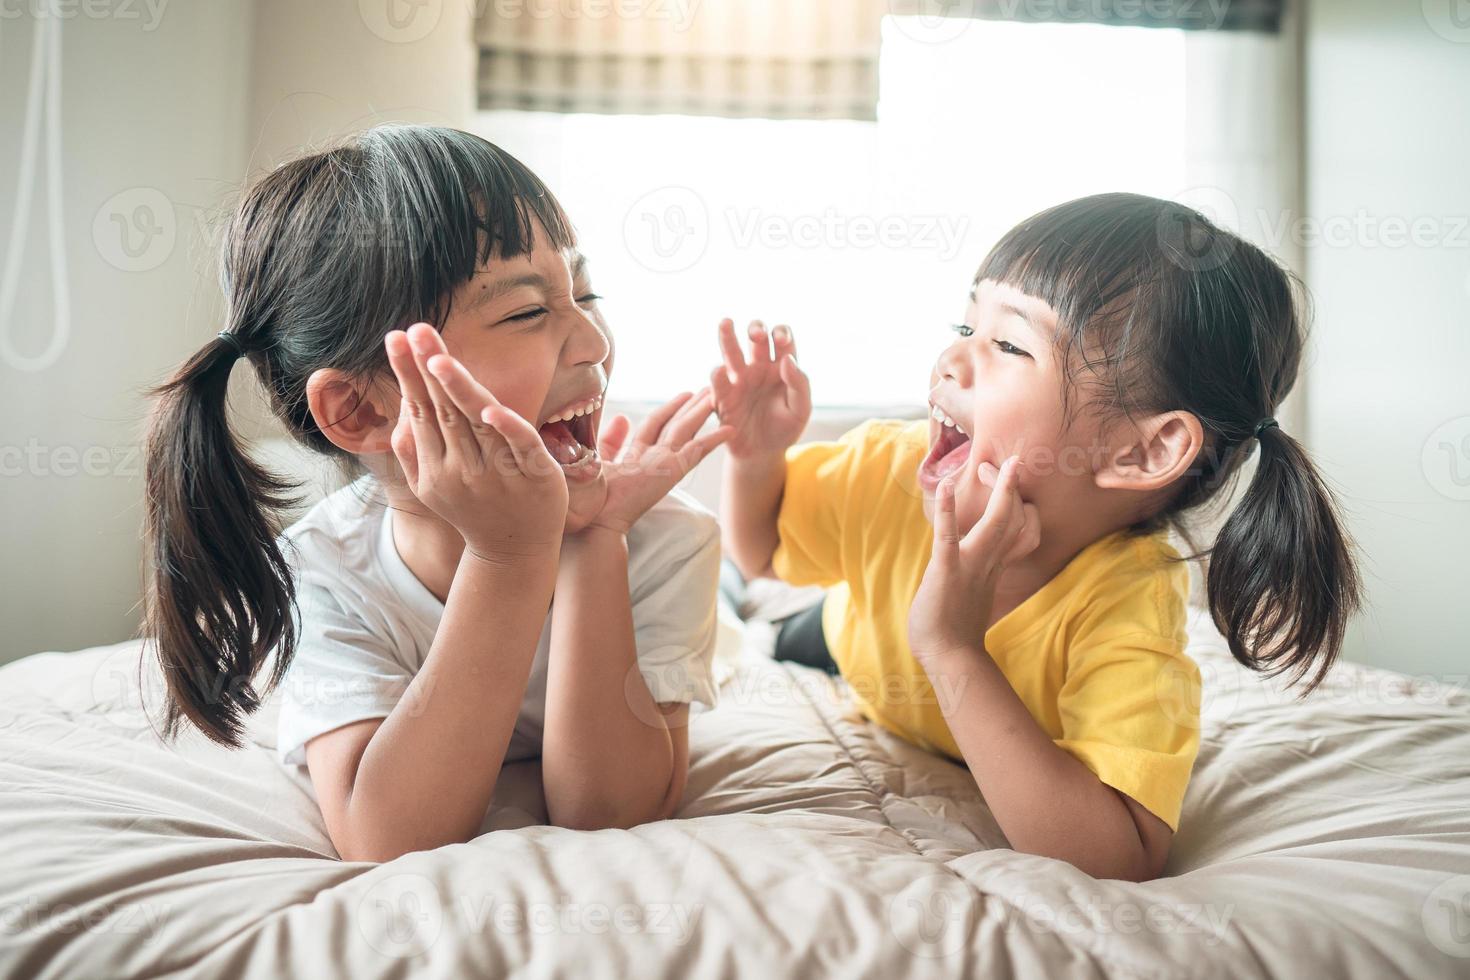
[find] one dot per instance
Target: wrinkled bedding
(1329, 837)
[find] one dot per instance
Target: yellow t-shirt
(1097, 654)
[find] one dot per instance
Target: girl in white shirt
(410, 616)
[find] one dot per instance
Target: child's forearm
(427, 776)
(1045, 800)
(750, 502)
(608, 759)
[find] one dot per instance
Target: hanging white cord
(45, 75)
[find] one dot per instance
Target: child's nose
(954, 366)
(587, 343)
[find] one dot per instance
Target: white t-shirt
(366, 621)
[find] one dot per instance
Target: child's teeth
(585, 409)
(943, 419)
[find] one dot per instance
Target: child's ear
(1155, 452)
(351, 412)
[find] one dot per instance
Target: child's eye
(1006, 347)
(588, 299)
(527, 315)
(963, 329)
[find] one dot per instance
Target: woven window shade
(1196, 15)
(776, 59)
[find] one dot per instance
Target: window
(864, 236)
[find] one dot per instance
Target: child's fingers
(686, 423)
(454, 427)
(695, 450)
(1028, 538)
(403, 444)
(1002, 510)
(416, 401)
(470, 397)
(525, 442)
(614, 435)
(783, 342)
(730, 347)
(719, 383)
(946, 533)
(760, 343)
(653, 426)
(798, 386)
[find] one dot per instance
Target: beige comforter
(1325, 838)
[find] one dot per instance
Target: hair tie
(1263, 425)
(233, 341)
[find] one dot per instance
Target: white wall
(151, 111)
(1388, 399)
(171, 104)
(331, 67)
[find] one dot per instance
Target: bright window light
(863, 236)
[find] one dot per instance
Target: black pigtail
(1283, 582)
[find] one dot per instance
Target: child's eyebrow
(500, 286)
(1017, 311)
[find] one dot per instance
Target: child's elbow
(611, 814)
(599, 817)
(1151, 866)
(750, 565)
(1136, 866)
(368, 853)
(375, 851)
(379, 844)
(1139, 867)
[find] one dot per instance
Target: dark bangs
(1116, 268)
(454, 201)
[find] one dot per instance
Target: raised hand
(665, 448)
(766, 399)
(468, 458)
(952, 608)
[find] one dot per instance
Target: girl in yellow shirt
(1003, 590)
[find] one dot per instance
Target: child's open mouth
(571, 438)
(949, 450)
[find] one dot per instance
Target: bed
(1329, 837)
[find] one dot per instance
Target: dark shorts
(801, 641)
